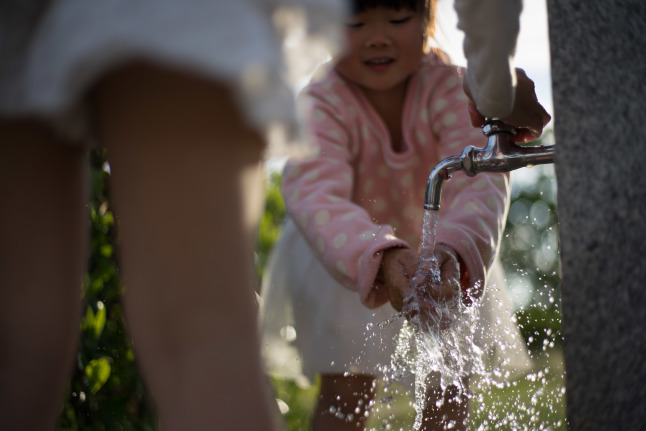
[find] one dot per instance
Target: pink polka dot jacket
(356, 196)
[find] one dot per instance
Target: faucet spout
(501, 154)
(441, 172)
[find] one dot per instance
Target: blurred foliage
(271, 221)
(296, 403)
(105, 391)
(530, 255)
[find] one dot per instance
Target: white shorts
(52, 51)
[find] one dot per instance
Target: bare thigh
(43, 232)
(187, 188)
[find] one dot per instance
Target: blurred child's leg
(43, 231)
(187, 187)
(343, 402)
(448, 409)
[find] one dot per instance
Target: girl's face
(385, 46)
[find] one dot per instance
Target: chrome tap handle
(499, 137)
(491, 126)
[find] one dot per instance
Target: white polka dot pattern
(365, 132)
(294, 196)
(412, 212)
(421, 138)
(333, 99)
(292, 171)
(322, 217)
(452, 82)
(368, 186)
(456, 146)
(349, 216)
(312, 175)
(383, 171)
(480, 184)
(471, 207)
(449, 119)
(455, 202)
(340, 240)
(407, 180)
(379, 204)
(461, 97)
(340, 266)
(423, 116)
(335, 134)
(439, 105)
(319, 116)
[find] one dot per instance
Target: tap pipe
(442, 171)
(501, 154)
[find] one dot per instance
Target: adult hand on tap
(414, 287)
(528, 116)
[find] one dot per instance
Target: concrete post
(598, 50)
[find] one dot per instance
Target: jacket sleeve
(490, 32)
(473, 210)
(318, 193)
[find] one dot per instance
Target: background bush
(529, 253)
(106, 391)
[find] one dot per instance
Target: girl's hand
(448, 286)
(528, 116)
(436, 289)
(415, 287)
(398, 267)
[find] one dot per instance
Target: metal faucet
(501, 154)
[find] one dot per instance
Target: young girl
(382, 118)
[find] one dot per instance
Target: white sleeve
(490, 31)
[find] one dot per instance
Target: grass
(532, 402)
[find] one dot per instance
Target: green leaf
(95, 321)
(97, 372)
(106, 250)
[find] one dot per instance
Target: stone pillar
(598, 50)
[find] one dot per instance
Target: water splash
(507, 394)
(438, 336)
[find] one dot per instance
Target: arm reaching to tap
(495, 88)
(490, 30)
(528, 116)
(416, 291)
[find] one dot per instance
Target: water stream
(437, 336)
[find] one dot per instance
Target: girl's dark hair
(428, 9)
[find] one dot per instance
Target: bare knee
(446, 408)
